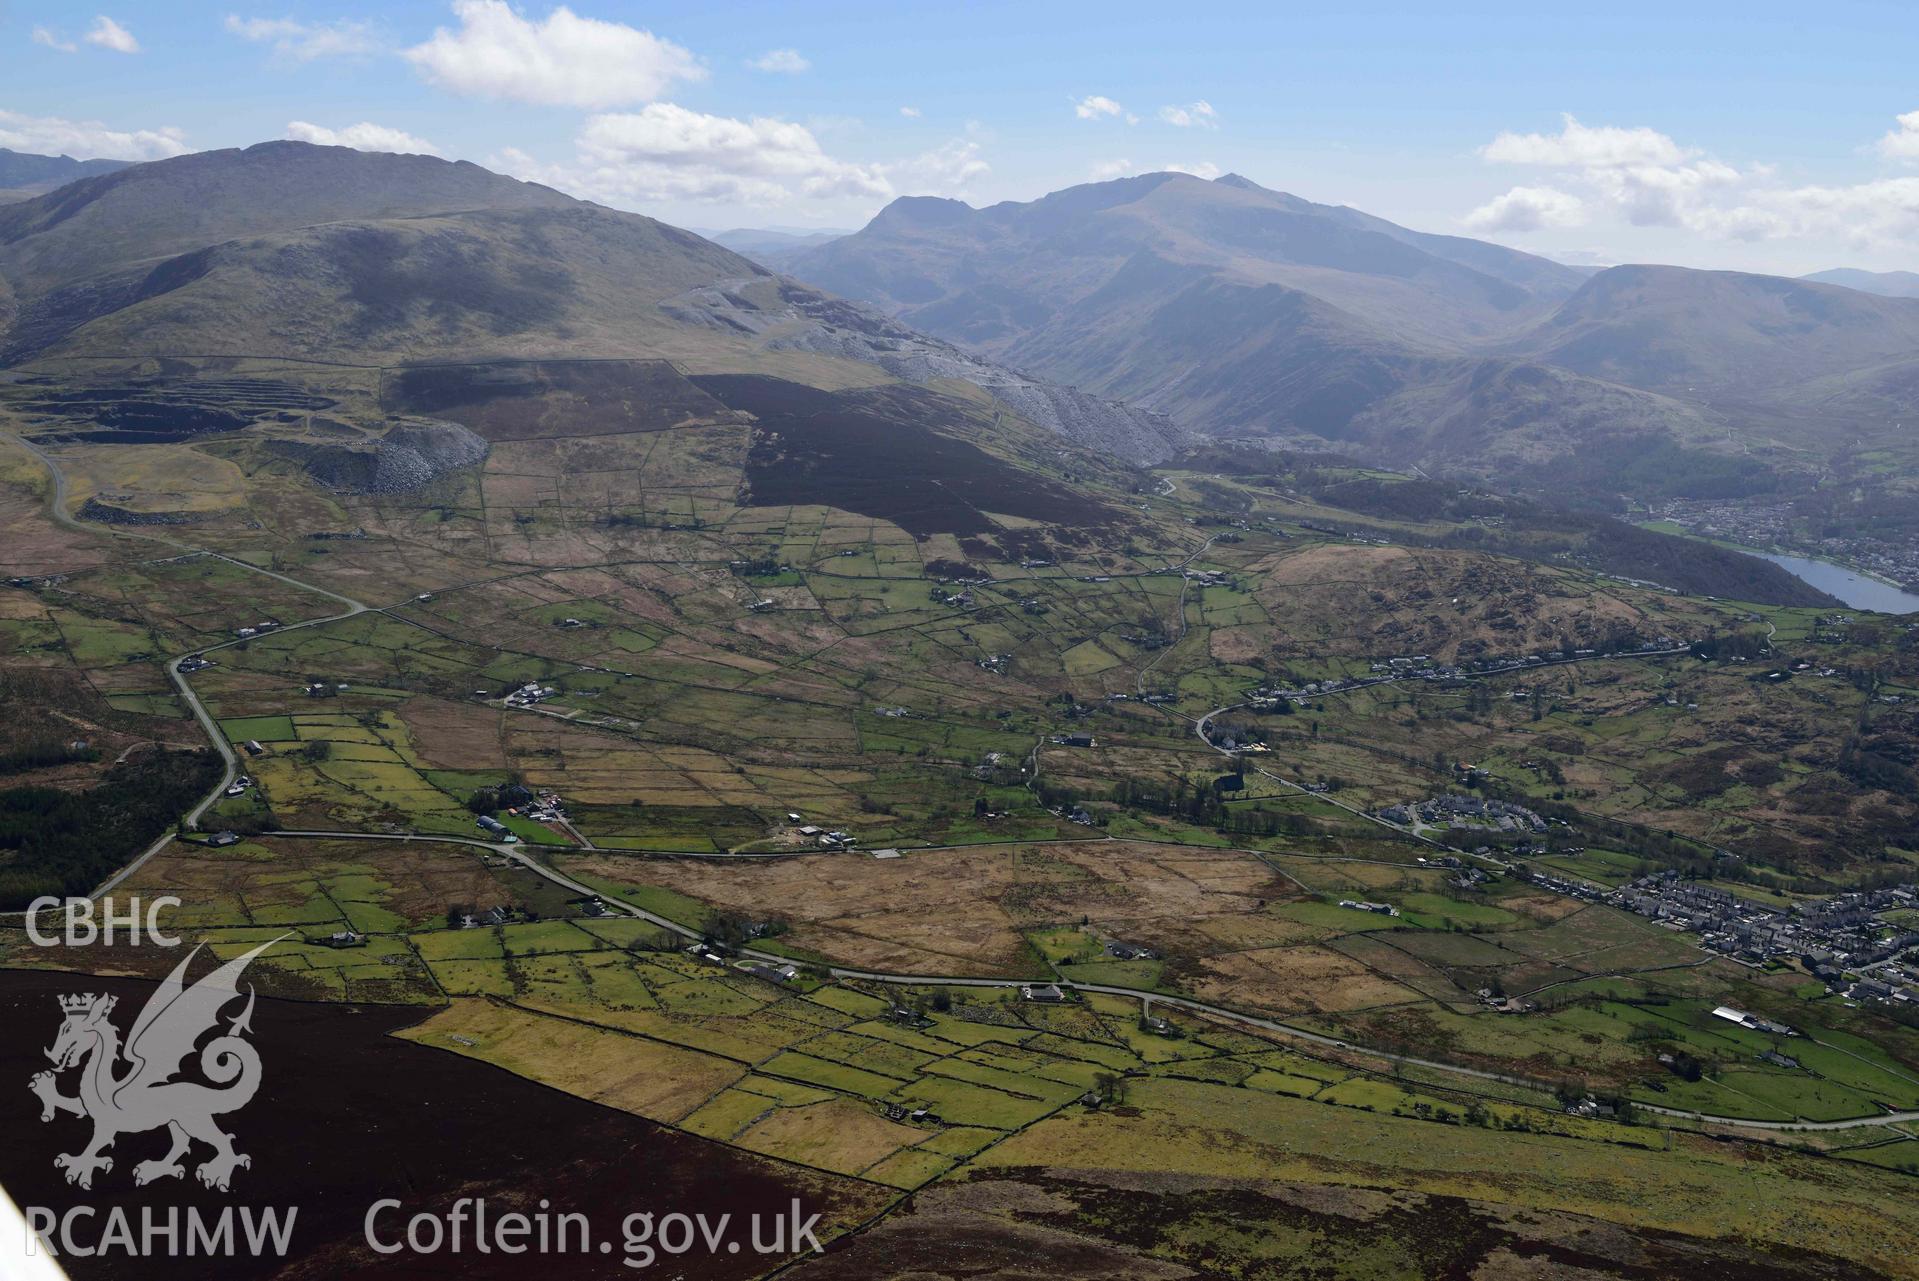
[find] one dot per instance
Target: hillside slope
(771, 247)
(1245, 313)
(325, 253)
(32, 175)
(1801, 374)
(994, 276)
(1887, 284)
(151, 211)
(1674, 329)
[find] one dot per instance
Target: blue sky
(1758, 136)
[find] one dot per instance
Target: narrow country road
(230, 765)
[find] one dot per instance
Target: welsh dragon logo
(128, 1089)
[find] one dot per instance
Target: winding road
(230, 764)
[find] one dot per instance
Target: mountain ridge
(1248, 313)
(32, 175)
(288, 249)
(1890, 284)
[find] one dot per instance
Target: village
(1760, 524)
(1424, 667)
(1846, 941)
(1464, 813)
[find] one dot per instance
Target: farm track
(1185, 586)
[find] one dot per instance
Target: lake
(1856, 589)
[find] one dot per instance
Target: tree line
(63, 842)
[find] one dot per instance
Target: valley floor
(1023, 893)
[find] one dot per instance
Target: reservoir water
(1856, 589)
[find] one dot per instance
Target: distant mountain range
(504, 306)
(1248, 313)
(1182, 309)
(773, 247)
(291, 250)
(28, 174)
(24, 175)
(1890, 284)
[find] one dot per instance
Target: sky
(1755, 136)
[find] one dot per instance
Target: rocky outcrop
(407, 458)
(107, 514)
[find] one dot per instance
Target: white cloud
(563, 60)
(1107, 170)
(1578, 146)
(1644, 178)
(1666, 195)
(1901, 143)
(1194, 115)
(944, 171)
(788, 61)
(1640, 174)
(1527, 209)
(911, 113)
(53, 40)
(667, 152)
(511, 160)
(1867, 215)
(1094, 106)
(109, 34)
(365, 136)
(305, 41)
(87, 139)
